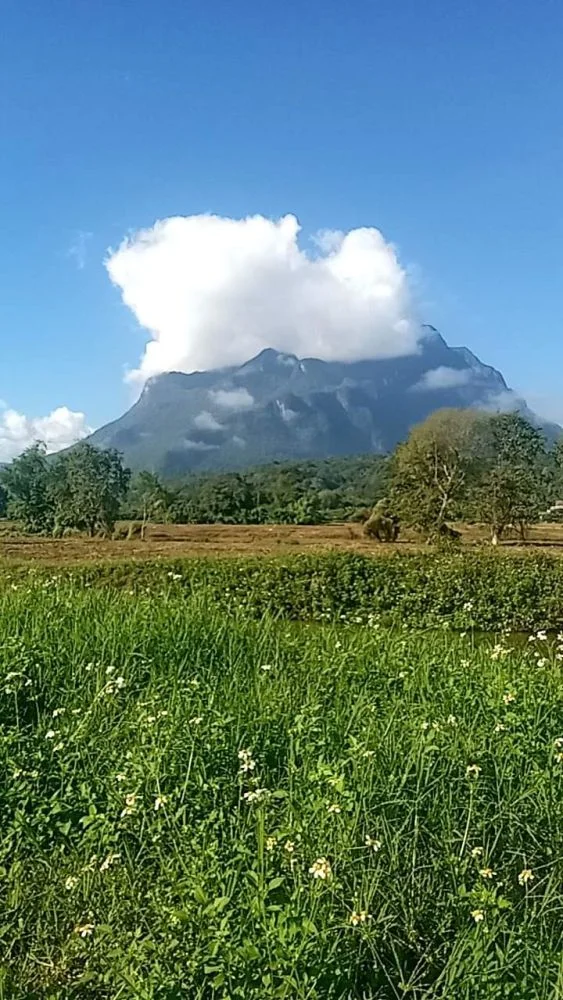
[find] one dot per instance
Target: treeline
(312, 492)
(87, 489)
(458, 465)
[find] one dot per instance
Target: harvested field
(178, 540)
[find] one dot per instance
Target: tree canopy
(82, 489)
(431, 471)
(26, 482)
(514, 480)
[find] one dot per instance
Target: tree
(26, 482)
(514, 483)
(149, 499)
(87, 487)
(431, 472)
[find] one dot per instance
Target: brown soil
(171, 541)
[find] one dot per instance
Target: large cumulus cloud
(58, 429)
(214, 291)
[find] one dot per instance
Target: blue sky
(440, 124)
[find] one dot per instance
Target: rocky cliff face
(280, 407)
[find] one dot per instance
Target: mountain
(279, 407)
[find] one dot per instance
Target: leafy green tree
(3, 501)
(148, 499)
(555, 461)
(307, 510)
(87, 486)
(513, 485)
(26, 482)
(431, 472)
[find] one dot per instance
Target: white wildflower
(321, 868)
(246, 761)
(109, 861)
(373, 844)
(84, 930)
(130, 805)
(256, 795)
(525, 876)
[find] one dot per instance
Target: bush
(455, 589)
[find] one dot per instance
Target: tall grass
(199, 805)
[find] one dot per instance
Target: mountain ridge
(277, 407)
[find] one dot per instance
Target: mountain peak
(269, 359)
(276, 407)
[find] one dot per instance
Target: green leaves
(82, 489)
(512, 486)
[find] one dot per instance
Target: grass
(175, 777)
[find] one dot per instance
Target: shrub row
(459, 590)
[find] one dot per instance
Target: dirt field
(171, 541)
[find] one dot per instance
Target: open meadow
(202, 800)
(170, 541)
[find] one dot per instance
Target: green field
(199, 803)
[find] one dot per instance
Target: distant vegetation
(458, 465)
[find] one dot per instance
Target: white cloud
(232, 399)
(443, 378)
(207, 422)
(199, 445)
(505, 401)
(59, 429)
(214, 291)
(287, 414)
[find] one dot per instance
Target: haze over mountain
(277, 406)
